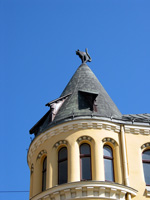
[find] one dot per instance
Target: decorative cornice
(69, 126)
(109, 140)
(145, 145)
(61, 142)
(86, 190)
(83, 124)
(88, 138)
(41, 153)
(137, 130)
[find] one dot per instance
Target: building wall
(96, 134)
(134, 143)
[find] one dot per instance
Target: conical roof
(83, 97)
(85, 90)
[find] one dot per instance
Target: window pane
(44, 174)
(146, 155)
(62, 165)
(62, 172)
(44, 182)
(62, 153)
(107, 151)
(146, 167)
(85, 149)
(109, 175)
(44, 163)
(86, 168)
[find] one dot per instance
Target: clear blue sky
(38, 39)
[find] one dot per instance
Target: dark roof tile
(137, 117)
(85, 80)
(79, 96)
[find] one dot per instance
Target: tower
(84, 148)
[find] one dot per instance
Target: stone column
(117, 166)
(73, 162)
(53, 165)
(96, 161)
(101, 169)
(48, 174)
(37, 177)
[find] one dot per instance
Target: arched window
(108, 163)
(85, 161)
(146, 166)
(62, 166)
(44, 174)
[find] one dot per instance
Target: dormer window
(56, 105)
(87, 101)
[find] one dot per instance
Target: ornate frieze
(41, 153)
(32, 168)
(82, 125)
(88, 138)
(61, 142)
(137, 130)
(69, 126)
(87, 190)
(147, 191)
(145, 145)
(109, 140)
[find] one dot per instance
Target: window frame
(62, 160)
(145, 161)
(109, 158)
(85, 156)
(44, 173)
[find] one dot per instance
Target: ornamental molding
(82, 125)
(86, 190)
(69, 126)
(83, 138)
(61, 142)
(137, 130)
(32, 168)
(145, 145)
(147, 190)
(41, 154)
(112, 141)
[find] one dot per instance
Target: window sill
(147, 190)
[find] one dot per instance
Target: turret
(79, 150)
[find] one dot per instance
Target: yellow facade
(100, 133)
